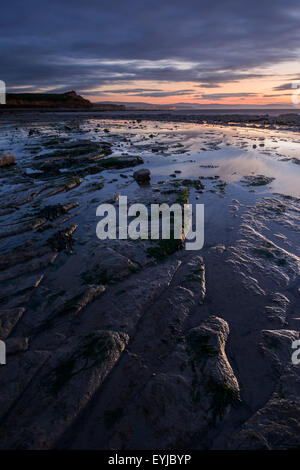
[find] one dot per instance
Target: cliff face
(108, 107)
(43, 100)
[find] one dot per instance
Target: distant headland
(68, 100)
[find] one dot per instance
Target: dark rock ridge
(46, 100)
(108, 107)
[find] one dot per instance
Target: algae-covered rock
(7, 159)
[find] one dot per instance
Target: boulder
(192, 391)
(142, 176)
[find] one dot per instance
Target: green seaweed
(198, 345)
(165, 248)
(224, 395)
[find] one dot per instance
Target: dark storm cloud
(128, 90)
(220, 96)
(276, 96)
(141, 92)
(74, 44)
(162, 94)
(284, 87)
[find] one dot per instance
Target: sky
(221, 52)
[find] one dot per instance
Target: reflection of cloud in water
(285, 174)
(288, 185)
(234, 168)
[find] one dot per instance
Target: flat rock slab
(22, 284)
(8, 320)
(16, 375)
(65, 385)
